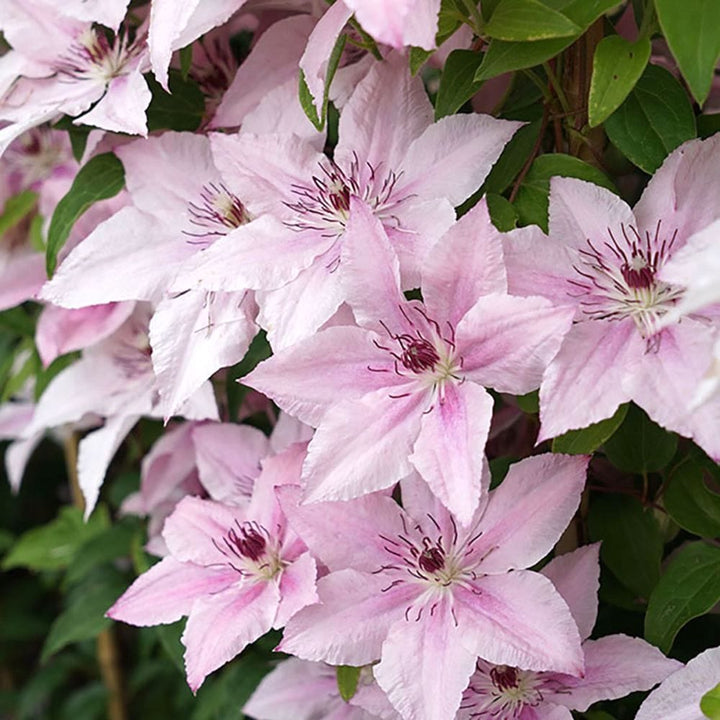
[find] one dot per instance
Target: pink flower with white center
(408, 170)
(606, 260)
(614, 666)
(180, 207)
(304, 690)
(67, 66)
(678, 698)
(236, 573)
(406, 389)
(427, 597)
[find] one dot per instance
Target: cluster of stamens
(247, 549)
(36, 154)
(93, 57)
(618, 278)
(325, 205)
(218, 212)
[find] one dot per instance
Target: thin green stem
(559, 92)
(477, 22)
(547, 96)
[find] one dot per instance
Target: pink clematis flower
(406, 389)
(614, 666)
(65, 65)
(678, 698)
(408, 170)
(605, 260)
(236, 573)
(426, 597)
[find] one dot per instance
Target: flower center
(247, 549)
(93, 57)
(618, 278)
(217, 213)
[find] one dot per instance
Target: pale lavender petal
(450, 449)
(22, 276)
(351, 622)
(364, 445)
(528, 512)
(465, 265)
(507, 342)
(17, 455)
(220, 626)
(167, 591)
(424, 667)
(576, 576)
(454, 155)
(518, 619)
(615, 666)
(297, 588)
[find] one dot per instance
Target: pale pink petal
(339, 355)
(314, 61)
(17, 455)
(549, 712)
(288, 431)
(424, 667)
(95, 451)
(196, 529)
(362, 446)
(614, 667)
(401, 112)
(61, 331)
(454, 155)
(272, 61)
(122, 108)
(507, 342)
(421, 24)
(529, 511)
(576, 576)
(220, 626)
(193, 335)
(678, 698)
(449, 451)
(22, 274)
(131, 256)
(465, 265)
(351, 621)
(326, 527)
(584, 383)
(106, 12)
(519, 619)
(297, 588)
(167, 591)
(228, 459)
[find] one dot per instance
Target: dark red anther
(504, 677)
(419, 355)
(638, 278)
(249, 543)
(431, 559)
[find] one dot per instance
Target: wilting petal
(424, 667)
(220, 626)
(528, 512)
(519, 619)
(450, 448)
(362, 446)
(167, 591)
(351, 621)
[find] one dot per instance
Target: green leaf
(632, 545)
(417, 58)
(521, 20)
(692, 30)
(710, 703)
(84, 615)
(53, 546)
(258, 351)
(689, 587)
(690, 503)
(529, 403)
(186, 54)
(17, 208)
(708, 125)
(169, 636)
(654, 119)
(617, 66)
(589, 439)
(307, 100)
(502, 213)
(182, 108)
(640, 446)
(513, 157)
(347, 680)
(457, 84)
(531, 202)
(100, 178)
(77, 133)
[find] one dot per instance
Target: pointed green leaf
(100, 178)
(617, 66)
(521, 20)
(654, 119)
(307, 101)
(692, 30)
(691, 503)
(689, 587)
(16, 208)
(502, 212)
(347, 680)
(710, 703)
(457, 84)
(589, 439)
(183, 108)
